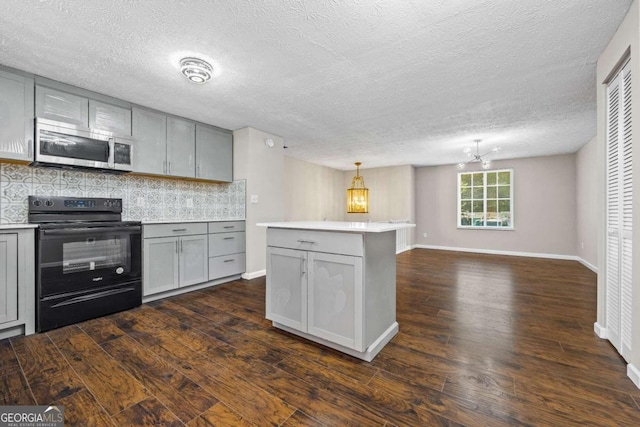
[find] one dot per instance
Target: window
(485, 199)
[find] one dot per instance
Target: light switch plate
(140, 201)
(254, 198)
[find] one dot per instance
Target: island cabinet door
(287, 287)
(335, 299)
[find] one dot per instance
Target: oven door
(76, 259)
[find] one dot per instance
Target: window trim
(485, 227)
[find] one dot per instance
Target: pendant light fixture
(358, 194)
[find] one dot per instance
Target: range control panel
(67, 204)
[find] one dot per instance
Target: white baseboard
(496, 252)
(254, 274)
(634, 374)
(588, 265)
(405, 249)
(600, 331)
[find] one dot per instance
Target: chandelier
(358, 194)
(477, 157)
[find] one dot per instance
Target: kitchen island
(334, 283)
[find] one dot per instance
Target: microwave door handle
(112, 153)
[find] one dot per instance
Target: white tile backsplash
(163, 199)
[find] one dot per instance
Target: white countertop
(17, 226)
(356, 227)
(184, 221)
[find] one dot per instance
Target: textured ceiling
(384, 82)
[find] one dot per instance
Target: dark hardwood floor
(484, 341)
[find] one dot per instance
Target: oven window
(95, 254)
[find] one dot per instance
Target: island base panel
(368, 355)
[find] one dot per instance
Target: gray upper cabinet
(181, 147)
(62, 106)
(149, 129)
(109, 117)
(16, 116)
(214, 154)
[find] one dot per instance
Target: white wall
(263, 168)
(587, 204)
(625, 41)
(312, 192)
(544, 211)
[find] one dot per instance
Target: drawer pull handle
(312, 242)
(229, 226)
(229, 260)
(177, 230)
(229, 238)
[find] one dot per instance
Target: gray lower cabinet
(227, 246)
(214, 154)
(16, 116)
(316, 293)
(8, 278)
(174, 256)
(335, 288)
(17, 282)
(181, 147)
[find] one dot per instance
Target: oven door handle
(71, 231)
(90, 297)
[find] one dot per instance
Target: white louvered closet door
(619, 213)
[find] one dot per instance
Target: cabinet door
(150, 150)
(181, 147)
(65, 107)
(8, 277)
(160, 265)
(335, 299)
(16, 117)
(214, 154)
(194, 260)
(109, 117)
(287, 287)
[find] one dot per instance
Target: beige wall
(624, 42)
(312, 192)
(391, 194)
(587, 204)
(263, 168)
(544, 211)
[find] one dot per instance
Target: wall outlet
(189, 203)
(582, 244)
(254, 198)
(140, 201)
(424, 234)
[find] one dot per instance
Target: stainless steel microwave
(65, 144)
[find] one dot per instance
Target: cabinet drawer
(228, 265)
(176, 229)
(316, 241)
(226, 243)
(226, 226)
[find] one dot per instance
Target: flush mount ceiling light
(196, 70)
(477, 157)
(358, 194)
